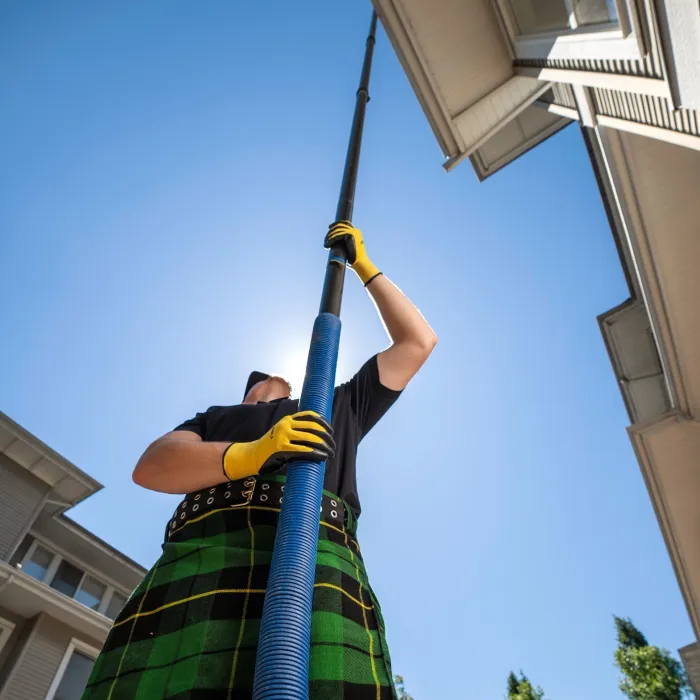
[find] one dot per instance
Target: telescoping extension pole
(282, 664)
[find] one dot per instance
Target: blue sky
(169, 170)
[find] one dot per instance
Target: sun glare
(292, 364)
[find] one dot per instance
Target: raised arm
(412, 339)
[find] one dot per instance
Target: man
(190, 629)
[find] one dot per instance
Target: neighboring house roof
(70, 485)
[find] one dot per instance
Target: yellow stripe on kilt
(187, 600)
(247, 591)
(338, 588)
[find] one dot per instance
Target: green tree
(648, 673)
(522, 689)
(400, 689)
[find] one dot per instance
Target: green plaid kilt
(190, 629)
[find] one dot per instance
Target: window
(21, 551)
(38, 563)
(571, 29)
(538, 16)
(73, 672)
(91, 592)
(535, 16)
(115, 605)
(75, 677)
(44, 565)
(67, 579)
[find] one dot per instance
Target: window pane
(39, 563)
(595, 11)
(535, 16)
(91, 592)
(75, 677)
(67, 579)
(115, 605)
(21, 550)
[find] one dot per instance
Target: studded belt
(253, 491)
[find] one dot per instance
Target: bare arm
(412, 338)
(180, 462)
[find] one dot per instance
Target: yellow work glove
(304, 435)
(344, 232)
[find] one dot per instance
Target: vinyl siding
(560, 94)
(20, 494)
(37, 666)
(646, 109)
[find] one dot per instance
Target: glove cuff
(238, 461)
(366, 270)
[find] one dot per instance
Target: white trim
(106, 599)
(638, 435)
(6, 629)
(73, 645)
(606, 81)
(482, 172)
(559, 110)
(451, 163)
(581, 45)
(679, 23)
(614, 159)
(50, 569)
(415, 65)
(585, 105)
(653, 132)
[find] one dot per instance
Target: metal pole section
(282, 663)
(332, 295)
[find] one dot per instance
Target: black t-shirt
(357, 406)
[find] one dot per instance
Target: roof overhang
(27, 597)
(69, 485)
(458, 60)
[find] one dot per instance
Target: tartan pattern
(190, 629)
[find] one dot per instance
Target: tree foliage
(648, 673)
(400, 689)
(522, 689)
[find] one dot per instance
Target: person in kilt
(190, 629)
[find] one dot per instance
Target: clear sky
(168, 172)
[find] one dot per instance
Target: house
(60, 586)
(497, 77)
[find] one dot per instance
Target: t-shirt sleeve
(369, 398)
(197, 425)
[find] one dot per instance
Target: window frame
(51, 571)
(619, 40)
(74, 645)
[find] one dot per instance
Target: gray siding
(20, 494)
(14, 642)
(691, 660)
(39, 662)
(645, 109)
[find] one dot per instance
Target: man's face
(268, 390)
